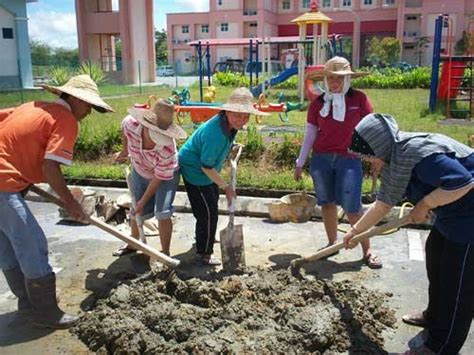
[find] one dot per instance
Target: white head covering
(337, 100)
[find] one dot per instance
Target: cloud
(54, 28)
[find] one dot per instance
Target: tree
(40, 53)
(161, 46)
(66, 57)
(384, 51)
(421, 44)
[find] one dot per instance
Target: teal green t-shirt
(208, 147)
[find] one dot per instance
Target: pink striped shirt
(159, 162)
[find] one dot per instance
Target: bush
(290, 84)
(286, 153)
(254, 147)
(94, 71)
(393, 78)
(231, 79)
(58, 76)
(93, 144)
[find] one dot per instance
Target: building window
(368, 2)
(185, 29)
(327, 3)
(224, 27)
(252, 24)
(285, 5)
(7, 32)
(306, 4)
(389, 2)
(219, 2)
(346, 3)
(412, 18)
(205, 29)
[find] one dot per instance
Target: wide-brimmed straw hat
(83, 88)
(335, 66)
(241, 101)
(159, 121)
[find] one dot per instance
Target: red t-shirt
(334, 136)
(31, 133)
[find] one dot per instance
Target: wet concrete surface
(81, 257)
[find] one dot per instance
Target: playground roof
(312, 17)
(245, 41)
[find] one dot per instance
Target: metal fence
(115, 77)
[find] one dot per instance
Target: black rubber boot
(16, 282)
(46, 313)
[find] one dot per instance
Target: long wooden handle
(153, 253)
(357, 239)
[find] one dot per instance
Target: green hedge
(388, 78)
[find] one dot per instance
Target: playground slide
(283, 76)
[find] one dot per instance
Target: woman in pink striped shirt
(149, 140)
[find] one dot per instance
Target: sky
(54, 21)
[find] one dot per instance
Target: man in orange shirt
(35, 139)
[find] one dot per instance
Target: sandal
(208, 260)
(372, 261)
(124, 250)
(417, 319)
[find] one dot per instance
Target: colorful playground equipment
(312, 50)
(452, 87)
(320, 24)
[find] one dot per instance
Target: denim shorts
(337, 180)
(162, 205)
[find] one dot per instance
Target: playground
(129, 307)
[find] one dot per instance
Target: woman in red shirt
(337, 174)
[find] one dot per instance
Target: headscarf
(336, 100)
(401, 151)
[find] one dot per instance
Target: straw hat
(241, 101)
(335, 66)
(159, 121)
(83, 88)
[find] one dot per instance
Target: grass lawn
(407, 106)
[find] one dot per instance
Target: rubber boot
(46, 313)
(16, 282)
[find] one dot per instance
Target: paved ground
(81, 256)
(174, 81)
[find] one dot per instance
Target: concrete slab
(81, 255)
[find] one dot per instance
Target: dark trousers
(450, 269)
(204, 203)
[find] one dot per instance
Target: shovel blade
(232, 247)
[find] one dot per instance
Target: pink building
(405, 19)
(100, 25)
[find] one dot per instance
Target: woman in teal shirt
(201, 159)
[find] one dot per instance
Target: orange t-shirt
(4, 113)
(29, 134)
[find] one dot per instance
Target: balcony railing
(250, 12)
(180, 41)
(414, 3)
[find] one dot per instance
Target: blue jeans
(22, 241)
(337, 180)
(162, 205)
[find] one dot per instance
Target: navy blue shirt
(455, 220)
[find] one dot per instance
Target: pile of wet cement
(259, 310)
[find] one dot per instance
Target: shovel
(146, 249)
(297, 263)
(232, 236)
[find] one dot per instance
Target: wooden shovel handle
(153, 253)
(357, 239)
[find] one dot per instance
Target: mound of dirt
(259, 310)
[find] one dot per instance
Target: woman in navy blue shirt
(436, 174)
